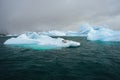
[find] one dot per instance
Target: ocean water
(93, 60)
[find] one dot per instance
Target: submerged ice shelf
(34, 40)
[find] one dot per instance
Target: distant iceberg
(40, 41)
(98, 33)
(93, 33)
(82, 31)
(53, 33)
(103, 34)
(9, 35)
(72, 33)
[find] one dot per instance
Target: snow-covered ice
(54, 33)
(103, 34)
(99, 33)
(32, 38)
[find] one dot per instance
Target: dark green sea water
(91, 61)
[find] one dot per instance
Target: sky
(17, 16)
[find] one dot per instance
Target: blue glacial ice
(103, 34)
(98, 33)
(40, 41)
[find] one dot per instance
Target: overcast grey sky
(17, 16)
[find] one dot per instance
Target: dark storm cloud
(39, 15)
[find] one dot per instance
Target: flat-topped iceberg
(53, 33)
(72, 33)
(9, 35)
(40, 41)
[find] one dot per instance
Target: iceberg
(9, 35)
(34, 40)
(56, 33)
(96, 33)
(84, 29)
(103, 33)
(93, 33)
(72, 33)
(53, 33)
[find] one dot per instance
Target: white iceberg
(72, 33)
(41, 41)
(9, 35)
(53, 33)
(83, 31)
(56, 33)
(103, 34)
(99, 33)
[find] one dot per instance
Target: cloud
(39, 15)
